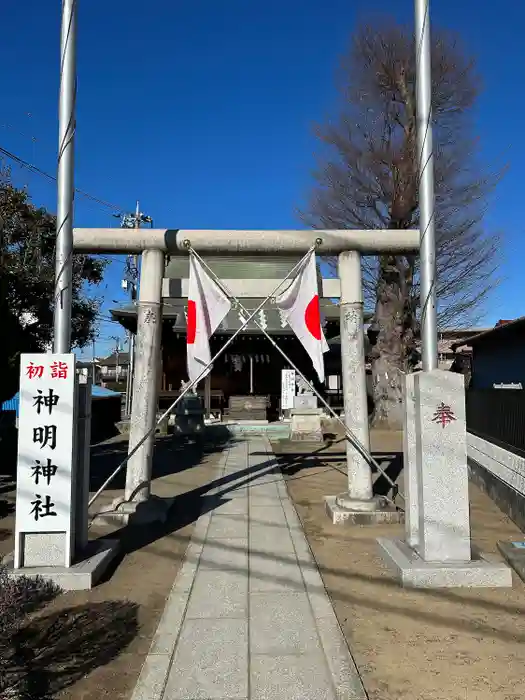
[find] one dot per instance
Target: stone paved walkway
(248, 616)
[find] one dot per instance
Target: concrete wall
(500, 474)
(499, 362)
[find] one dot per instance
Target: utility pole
(117, 356)
(93, 370)
(65, 180)
(130, 282)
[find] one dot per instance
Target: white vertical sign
(287, 388)
(45, 448)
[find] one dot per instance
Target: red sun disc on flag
(312, 318)
(191, 322)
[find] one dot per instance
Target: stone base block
(153, 510)
(384, 513)
(305, 401)
(300, 436)
(413, 572)
(306, 425)
(82, 576)
(514, 554)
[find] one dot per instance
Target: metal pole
(65, 180)
(93, 371)
(426, 186)
(117, 357)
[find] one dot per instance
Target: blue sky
(203, 110)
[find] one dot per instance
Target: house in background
(114, 367)
(497, 356)
(448, 340)
(89, 368)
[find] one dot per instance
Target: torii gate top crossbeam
(221, 242)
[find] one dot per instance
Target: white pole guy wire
(65, 180)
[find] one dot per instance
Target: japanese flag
(300, 307)
(207, 306)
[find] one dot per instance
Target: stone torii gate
(155, 244)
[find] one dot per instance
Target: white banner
(45, 444)
(287, 388)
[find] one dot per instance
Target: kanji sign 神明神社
(45, 448)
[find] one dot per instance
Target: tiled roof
(111, 360)
(502, 329)
(269, 317)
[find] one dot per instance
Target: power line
(33, 168)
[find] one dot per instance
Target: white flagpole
(428, 296)
(65, 180)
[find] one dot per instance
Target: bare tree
(368, 180)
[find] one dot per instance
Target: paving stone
(211, 661)
(319, 600)
(227, 555)
(218, 594)
(275, 539)
(163, 643)
(234, 477)
(200, 530)
(184, 579)
(293, 520)
(345, 675)
(232, 506)
(236, 468)
(282, 623)
(291, 677)
(269, 572)
(150, 685)
(267, 515)
(228, 526)
(170, 623)
(267, 478)
(227, 491)
(257, 499)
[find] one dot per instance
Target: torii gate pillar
(146, 376)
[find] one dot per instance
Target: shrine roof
(269, 317)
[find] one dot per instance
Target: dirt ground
(417, 645)
(89, 645)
